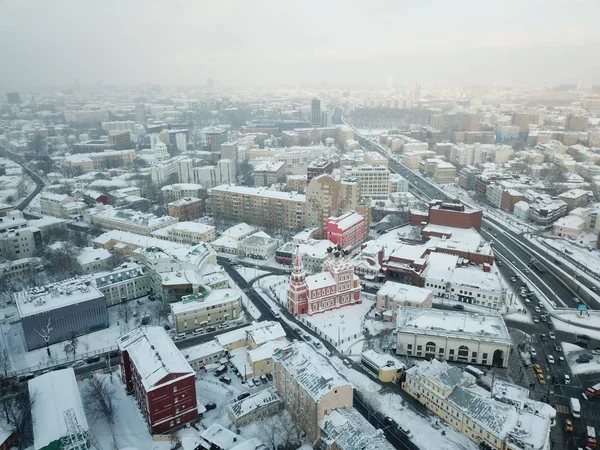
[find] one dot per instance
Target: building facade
(337, 286)
(348, 230)
(160, 378)
(186, 208)
(206, 308)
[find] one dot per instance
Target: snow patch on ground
(249, 273)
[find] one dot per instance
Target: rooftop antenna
(76, 435)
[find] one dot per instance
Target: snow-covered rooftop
(56, 295)
(239, 231)
(346, 220)
(311, 370)
(213, 298)
(260, 192)
(399, 292)
(201, 351)
(349, 430)
(452, 323)
(54, 393)
(476, 277)
(155, 356)
(255, 401)
(440, 266)
(319, 281)
(266, 350)
(261, 332)
(89, 255)
(383, 360)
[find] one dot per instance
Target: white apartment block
(186, 233)
(374, 180)
(452, 336)
(124, 283)
(177, 191)
(128, 220)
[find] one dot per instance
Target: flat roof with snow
(201, 351)
(213, 298)
(452, 323)
(403, 292)
(256, 401)
(261, 332)
(54, 393)
(260, 192)
(38, 300)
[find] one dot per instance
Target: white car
(532, 352)
(551, 335)
(537, 309)
(567, 379)
(551, 359)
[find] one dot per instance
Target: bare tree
(45, 335)
(4, 362)
(99, 397)
(281, 429)
(125, 311)
(68, 349)
(74, 342)
(17, 412)
(160, 311)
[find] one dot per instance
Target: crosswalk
(562, 409)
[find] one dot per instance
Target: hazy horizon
(60, 43)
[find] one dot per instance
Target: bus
(474, 371)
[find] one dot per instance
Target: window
(452, 351)
(419, 348)
(485, 356)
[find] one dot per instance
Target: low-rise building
(173, 192)
(155, 371)
(262, 332)
(309, 385)
(347, 429)
(186, 208)
(313, 251)
(128, 220)
(198, 356)
(206, 308)
(57, 311)
(186, 233)
(386, 368)
(56, 402)
(444, 172)
(491, 421)
(348, 230)
(258, 246)
(575, 198)
(267, 173)
(258, 405)
(453, 336)
(126, 282)
(94, 259)
(392, 295)
(569, 227)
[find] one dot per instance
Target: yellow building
(386, 368)
(206, 308)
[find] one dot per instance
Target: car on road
(347, 362)
(558, 348)
(567, 379)
(78, 363)
(576, 300)
(541, 378)
(561, 361)
(537, 368)
(406, 432)
(537, 309)
(526, 272)
(551, 335)
(459, 307)
(513, 279)
(536, 319)
(198, 332)
(179, 336)
(211, 329)
(568, 425)
(550, 359)
(583, 337)
(543, 337)
(389, 421)
(499, 263)
(532, 352)
(269, 376)
(225, 380)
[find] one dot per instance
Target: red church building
(153, 369)
(335, 287)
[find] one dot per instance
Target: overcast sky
(287, 42)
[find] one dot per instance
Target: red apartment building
(349, 230)
(153, 369)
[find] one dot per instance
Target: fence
(61, 361)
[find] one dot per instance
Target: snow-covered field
(425, 435)
(341, 325)
(572, 352)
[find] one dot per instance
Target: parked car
(558, 348)
(269, 376)
(179, 336)
(536, 319)
(459, 307)
(225, 380)
(583, 337)
(211, 329)
(243, 395)
(537, 368)
(567, 379)
(347, 362)
(582, 344)
(198, 332)
(211, 405)
(543, 337)
(541, 378)
(264, 379)
(561, 361)
(256, 382)
(389, 421)
(93, 359)
(551, 335)
(78, 363)
(596, 351)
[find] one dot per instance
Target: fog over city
(266, 43)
